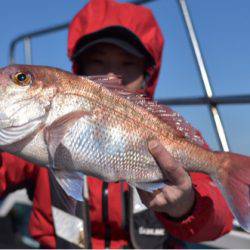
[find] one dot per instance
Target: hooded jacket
(210, 217)
(98, 16)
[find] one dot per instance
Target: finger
(158, 201)
(171, 168)
(152, 200)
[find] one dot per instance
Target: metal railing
(203, 72)
(208, 99)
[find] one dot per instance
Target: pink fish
(92, 125)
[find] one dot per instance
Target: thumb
(172, 169)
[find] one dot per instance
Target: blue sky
(222, 29)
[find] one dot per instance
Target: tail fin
(233, 178)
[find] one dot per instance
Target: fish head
(26, 93)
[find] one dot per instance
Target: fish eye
(22, 79)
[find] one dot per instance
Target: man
(107, 37)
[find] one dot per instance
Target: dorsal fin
(169, 116)
(173, 119)
(110, 81)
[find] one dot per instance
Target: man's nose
(114, 67)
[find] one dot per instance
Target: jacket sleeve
(210, 217)
(15, 173)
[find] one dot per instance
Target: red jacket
(210, 217)
(16, 173)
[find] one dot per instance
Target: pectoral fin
(55, 133)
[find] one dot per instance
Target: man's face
(104, 58)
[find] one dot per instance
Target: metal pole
(32, 35)
(12, 53)
(27, 50)
(203, 72)
(234, 99)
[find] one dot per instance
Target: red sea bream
(92, 125)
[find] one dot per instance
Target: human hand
(177, 197)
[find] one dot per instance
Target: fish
(91, 125)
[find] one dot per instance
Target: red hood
(100, 14)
